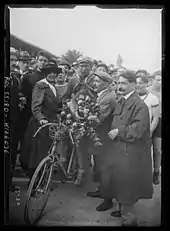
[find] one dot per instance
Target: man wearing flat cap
(84, 67)
(102, 67)
(126, 173)
(106, 99)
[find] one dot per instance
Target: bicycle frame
(55, 159)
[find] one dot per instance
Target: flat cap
(84, 60)
(103, 65)
(104, 76)
(129, 75)
(64, 62)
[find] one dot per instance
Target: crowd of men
(132, 98)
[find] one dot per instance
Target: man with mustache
(126, 173)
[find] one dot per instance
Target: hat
(104, 76)
(129, 75)
(84, 60)
(49, 68)
(103, 65)
(24, 55)
(63, 62)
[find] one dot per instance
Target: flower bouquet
(79, 122)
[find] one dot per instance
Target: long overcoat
(45, 105)
(126, 170)
(107, 104)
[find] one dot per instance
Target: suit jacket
(45, 104)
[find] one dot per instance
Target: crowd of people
(130, 123)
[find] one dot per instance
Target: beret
(104, 76)
(49, 68)
(129, 75)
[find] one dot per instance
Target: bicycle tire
(30, 190)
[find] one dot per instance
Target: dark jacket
(126, 170)
(28, 82)
(45, 105)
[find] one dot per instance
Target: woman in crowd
(45, 106)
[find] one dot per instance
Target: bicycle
(42, 178)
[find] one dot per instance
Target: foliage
(71, 56)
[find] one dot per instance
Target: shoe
(93, 194)
(156, 180)
(106, 205)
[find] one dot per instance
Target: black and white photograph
(82, 115)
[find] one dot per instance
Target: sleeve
(107, 108)
(68, 93)
(37, 100)
(130, 133)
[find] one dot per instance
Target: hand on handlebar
(43, 121)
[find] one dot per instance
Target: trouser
(156, 141)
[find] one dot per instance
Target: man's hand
(43, 121)
(113, 133)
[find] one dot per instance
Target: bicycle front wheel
(38, 191)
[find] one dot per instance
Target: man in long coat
(126, 171)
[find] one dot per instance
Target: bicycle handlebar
(43, 126)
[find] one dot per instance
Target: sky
(101, 34)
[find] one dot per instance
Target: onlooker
(102, 67)
(156, 137)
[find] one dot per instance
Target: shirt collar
(129, 94)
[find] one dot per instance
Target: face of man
(157, 82)
(84, 69)
(41, 62)
(140, 85)
(102, 68)
(99, 84)
(24, 65)
(61, 76)
(13, 61)
(124, 87)
(150, 81)
(51, 77)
